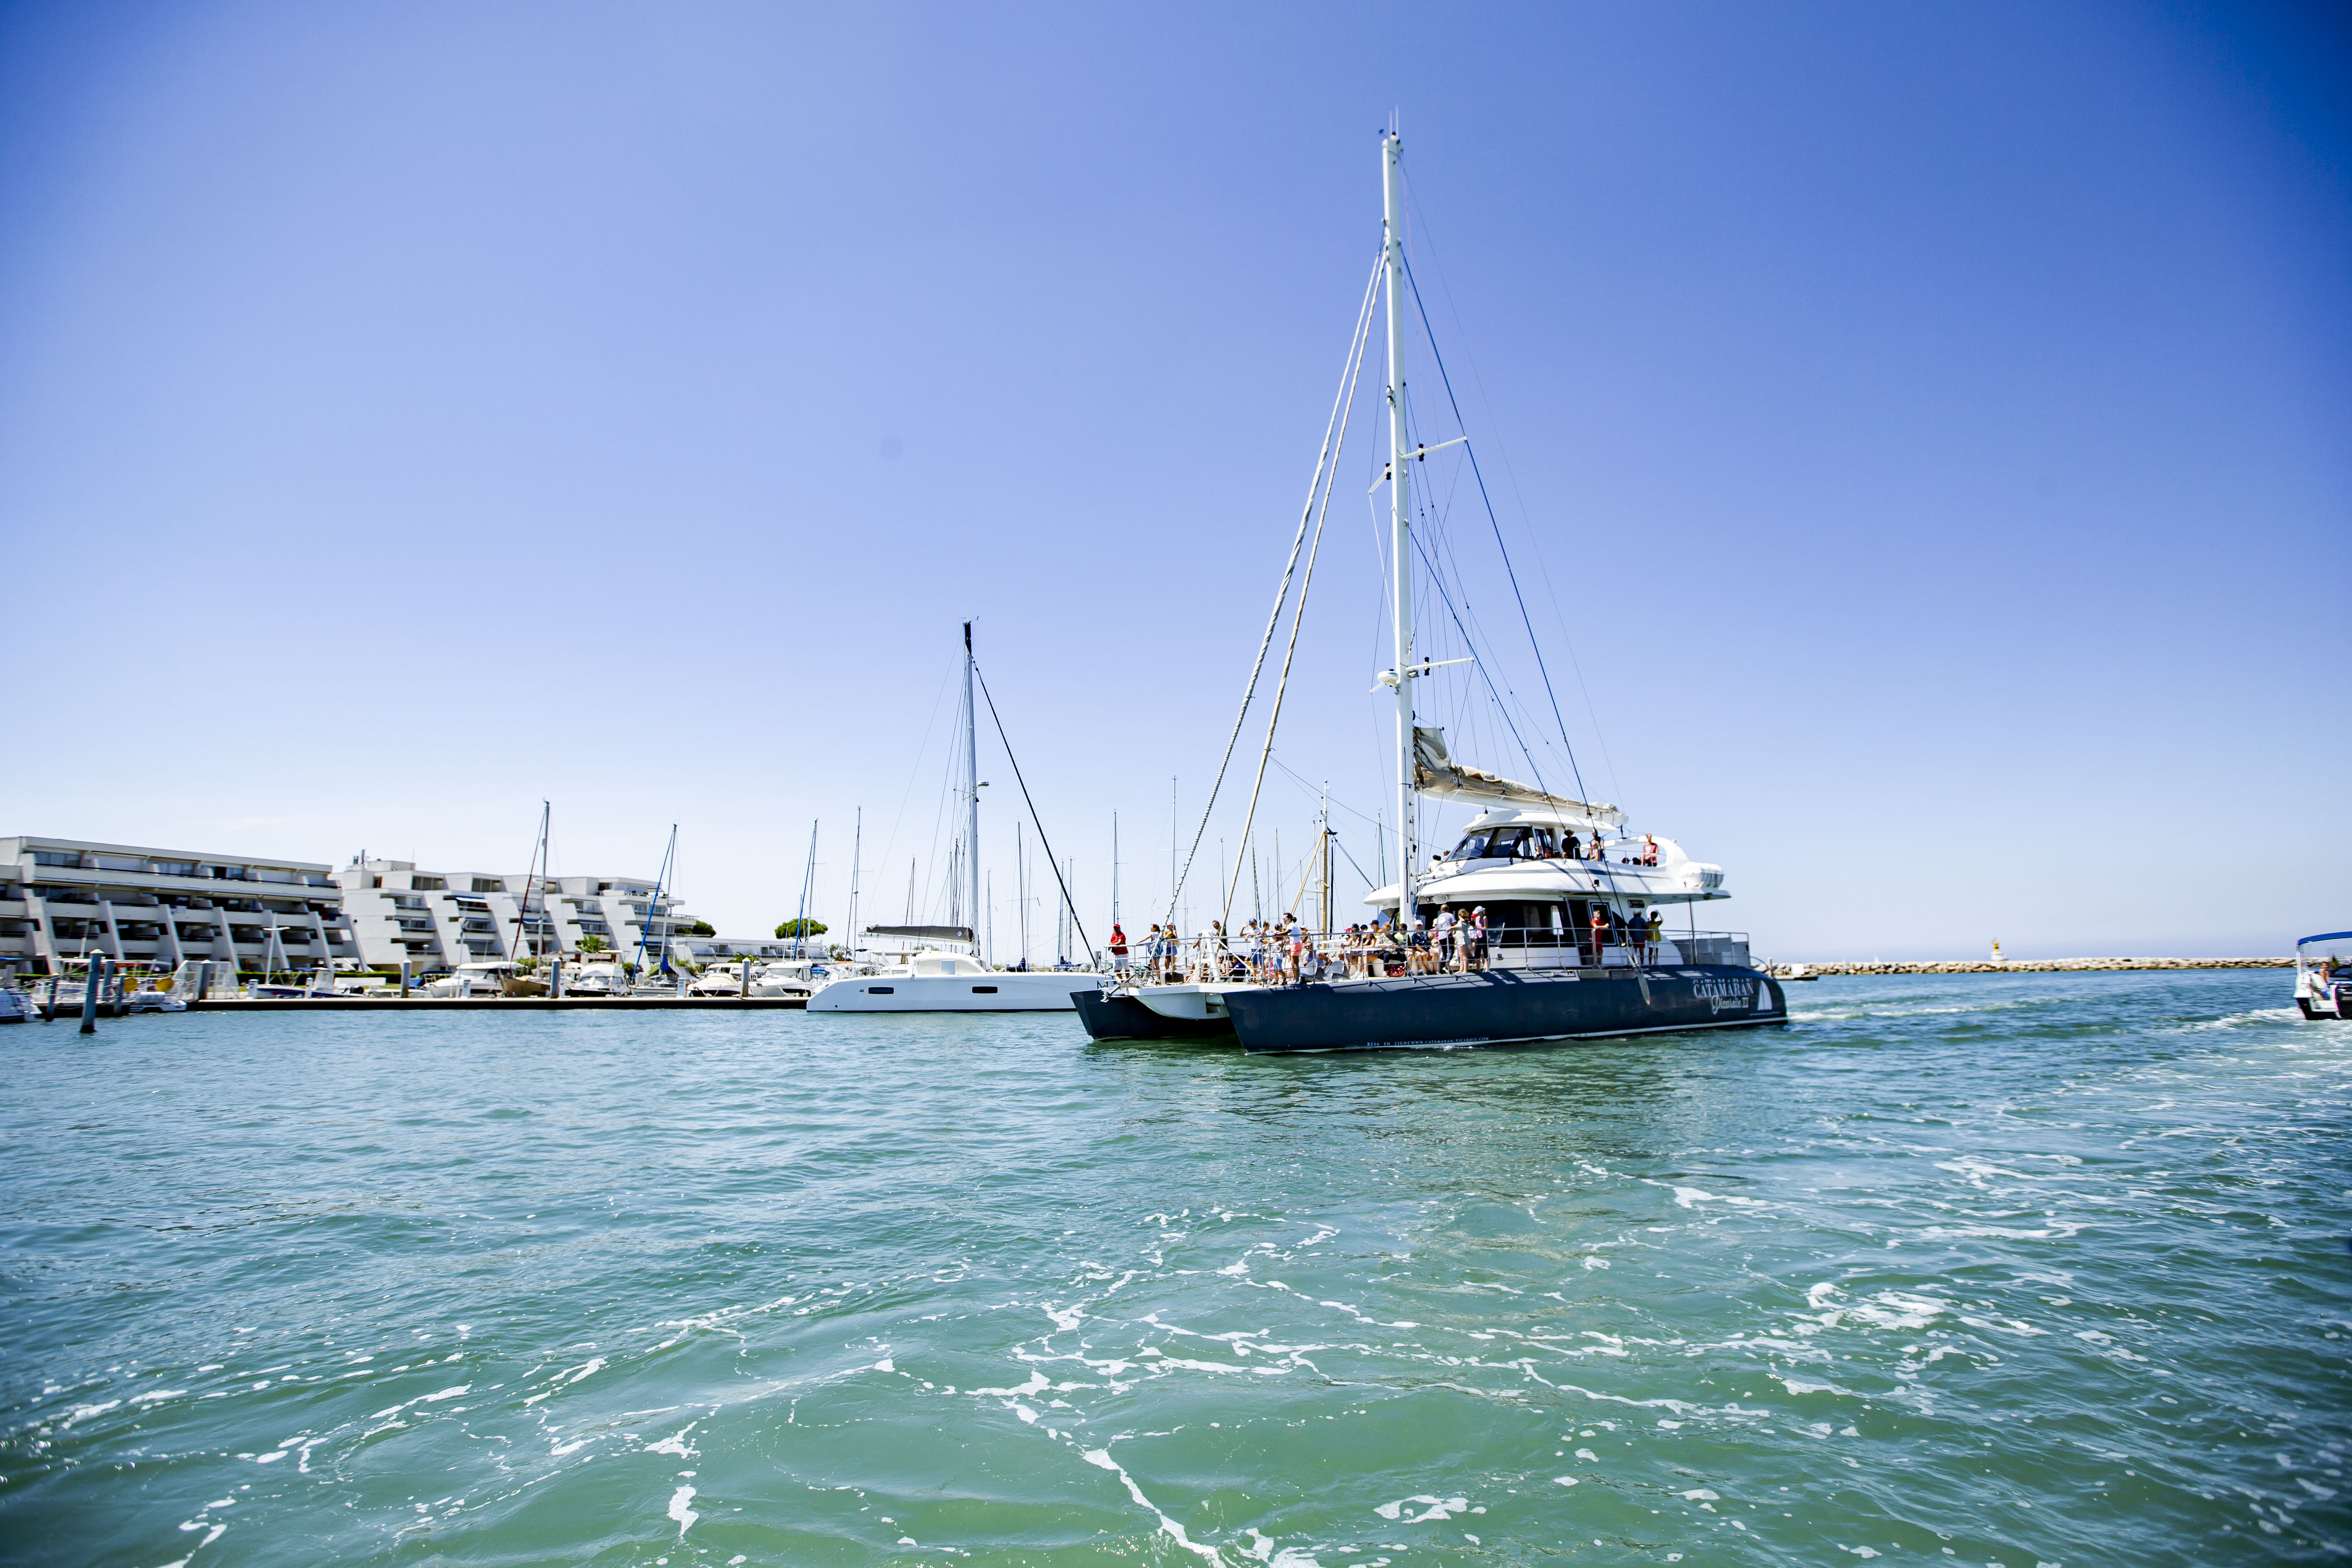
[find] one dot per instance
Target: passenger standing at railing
(1441, 928)
(1118, 948)
(1657, 932)
(1600, 932)
(1649, 849)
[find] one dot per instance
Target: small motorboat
(483, 977)
(2323, 976)
(605, 978)
(15, 1007)
(723, 980)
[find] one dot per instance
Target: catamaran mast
(971, 788)
(1400, 521)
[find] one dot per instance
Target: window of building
(427, 884)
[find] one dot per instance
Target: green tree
(591, 944)
(701, 928)
(791, 929)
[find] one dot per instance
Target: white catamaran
(945, 972)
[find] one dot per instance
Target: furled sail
(924, 933)
(1435, 773)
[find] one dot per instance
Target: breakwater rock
(2022, 966)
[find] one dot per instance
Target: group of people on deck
(1285, 951)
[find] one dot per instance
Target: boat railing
(1367, 953)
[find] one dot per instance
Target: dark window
(881, 990)
(983, 990)
(1472, 844)
(1505, 841)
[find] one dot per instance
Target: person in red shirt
(1118, 948)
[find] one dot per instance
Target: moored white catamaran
(940, 969)
(1545, 920)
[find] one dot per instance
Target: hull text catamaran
(1546, 919)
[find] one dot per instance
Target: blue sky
(1920, 433)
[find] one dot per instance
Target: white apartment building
(436, 919)
(63, 898)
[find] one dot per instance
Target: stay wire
(1470, 450)
(1067, 902)
(1326, 466)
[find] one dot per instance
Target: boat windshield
(1507, 843)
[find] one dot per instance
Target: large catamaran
(1576, 942)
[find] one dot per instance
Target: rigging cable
(1325, 460)
(1282, 685)
(1471, 450)
(1066, 902)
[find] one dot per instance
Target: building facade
(439, 920)
(65, 899)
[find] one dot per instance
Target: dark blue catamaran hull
(1499, 1006)
(1108, 1017)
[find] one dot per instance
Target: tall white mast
(972, 787)
(1401, 521)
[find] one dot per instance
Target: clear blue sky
(1922, 431)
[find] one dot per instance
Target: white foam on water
(84, 1412)
(448, 1393)
(1100, 1459)
(1438, 1509)
(1037, 1384)
(1895, 1309)
(679, 1512)
(2059, 1228)
(1678, 1407)
(1700, 1494)
(1566, 1481)
(1793, 1386)
(675, 1444)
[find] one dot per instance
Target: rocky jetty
(2023, 967)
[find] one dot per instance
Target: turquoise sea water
(2014, 1270)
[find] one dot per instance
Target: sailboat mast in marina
(1400, 514)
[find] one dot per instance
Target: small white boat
(606, 978)
(796, 976)
(2323, 976)
(723, 980)
(483, 977)
(936, 982)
